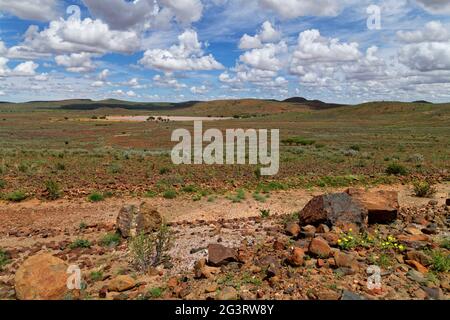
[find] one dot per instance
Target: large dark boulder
(382, 206)
(335, 209)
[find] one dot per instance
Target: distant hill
(316, 104)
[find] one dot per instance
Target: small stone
(292, 229)
(345, 260)
(227, 293)
(172, 283)
(278, 245)
(416, 276)
(121, 283)
(433, 202)
(413, 231)
(319, 247)
(416, 265)
(434, 293)
(419, 256)
(296, 259)
(219, 255)
(103, 292)
(348, 295)
(201, 270)
(211, 288)
(323, 228)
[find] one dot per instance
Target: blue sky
(178, 50)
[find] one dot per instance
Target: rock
(413, 238)
(413, 231)
(416, 276)
(419, 256)
(430, 229)
(211, 288)
(132, 221)
(382, 206)
(336, 209)
(331, 238)
(323, 228)
(172, 283)
(292, 229)
(447, 202)
(121, 283)
(433, 202)
(345, 260)
(219, 255)
(227, 293)
(348, 295)
(416, 265)
(319, 247)
(328, 294)
(201, 270)
(42, 277)
(434, 293)
(103, 292)
(296, 259)
(278, 245)
(271, 264)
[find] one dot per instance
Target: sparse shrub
(423, 189)
(16, 196)
(264, 213)
(60, 166)
(96, 197)
(4, 259)
(396, 169)
(416, 158)
(298, 141)
(115, 168)
(156, 293)
(350, 153)
(2, 184)
(189, 189)
(150, 250)
(259, 197)
(238, 197)
(445, 243)
(150, 194)
(440, 261)
(80, 243)
(355, 147)
(52, 190)
(111, 240)
(96, 275)
(82, 226)
(197, 197)
(164, 170)
(170, 194)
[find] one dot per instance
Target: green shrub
(96, 275)
(96, 197)
(16, 196)
(170, 194)
(396, 169)
(60, 166)
(52, 190)
(440, 261)
(156, 293)
(164, 170)
(82, 226)
(149, 250)
(150, 194)
(259, 197)
(423, 189)
(4, 259)
(115, 168)
(2, 184)
(80, 243)
(264, 213)
(111, 239)
(189, 189)
(238, 197)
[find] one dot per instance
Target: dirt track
(65, 214)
